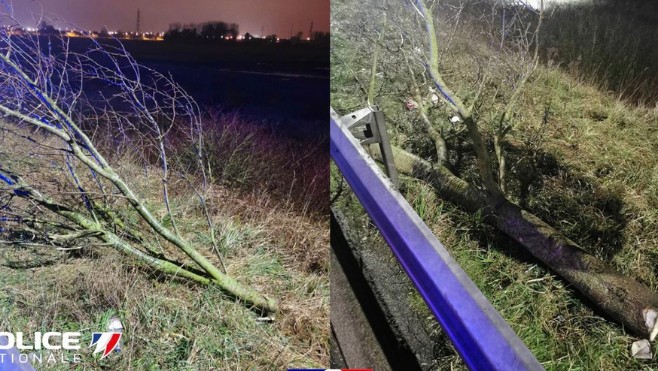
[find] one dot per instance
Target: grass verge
(579, 158)
(272, 236)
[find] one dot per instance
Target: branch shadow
(578, 205)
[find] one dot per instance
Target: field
(280, 86)
(580, 158)
(284, 57)
(285, 85)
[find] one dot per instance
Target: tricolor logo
(105, 342)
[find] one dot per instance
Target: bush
(252, 157)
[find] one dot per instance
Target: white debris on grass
(651, 321)
(641, 349)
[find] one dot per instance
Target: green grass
(610, 44)
(579, 158)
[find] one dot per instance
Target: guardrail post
(369, 126)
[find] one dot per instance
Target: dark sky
(276, 16)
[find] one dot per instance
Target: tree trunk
(626, 300)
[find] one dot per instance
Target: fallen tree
(623, 298)
(626, 300)
(69, 116)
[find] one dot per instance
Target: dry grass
(254, 158)
(271, 240)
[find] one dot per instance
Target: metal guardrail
(481, 336)
(11, 359)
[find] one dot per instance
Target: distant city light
(146, 35)
(70, 33)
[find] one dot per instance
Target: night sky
(276, 16)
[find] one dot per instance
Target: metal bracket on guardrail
(368, 125)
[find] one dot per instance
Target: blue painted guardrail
(11, 359)
(481, 336)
